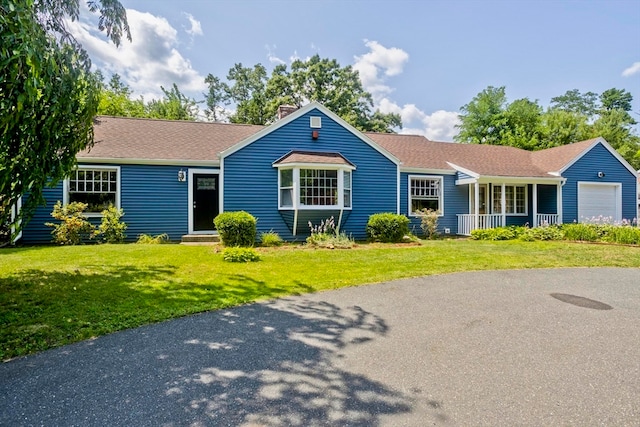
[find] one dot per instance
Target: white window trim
(440, 198)
(296, 205)
(526, 199)
(65, 186)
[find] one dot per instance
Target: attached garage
(599, 200)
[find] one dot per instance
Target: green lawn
(50, 296)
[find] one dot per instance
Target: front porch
(498, 203)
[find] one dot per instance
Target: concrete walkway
(486, 349)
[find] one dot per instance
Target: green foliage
(326, 235)
(236, 228)
(258, 96)
(74, 228)
(498, 233)
(111, 229)
(115, 99)
(626, 235)
(48, 97)
(551, 232)
(238, 254)
(173, 106)
(572, 117)
(145, 239)
(270, 238)
(429, 223)
(583, 232)
(387, 227)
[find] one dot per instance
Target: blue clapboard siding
(251, 181)
(153, 200)
(456, 201)
(35, 230)
(586, 170)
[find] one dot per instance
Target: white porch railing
(467, 222)
(547, 219)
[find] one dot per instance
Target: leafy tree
(115, 99)
(616, 99)
(576, 102)
(559, 127)
(48, 97)
(215, 98)
(482, 120)
(248, 92)
(173, 106)
(257, 97)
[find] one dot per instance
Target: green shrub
(145, 239)
(582, 232)
(550, 232)
(429, 223)
(387, 227)
(499, 233)
(270, 238)
(111, 229)
(623, 234)
(238, 254)
(236, 228)
(74, 228)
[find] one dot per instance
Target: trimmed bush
(74, 227)
(237, 254)
(236, 228)
(551, 232)
(387, 227)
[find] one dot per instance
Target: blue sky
(422, 59)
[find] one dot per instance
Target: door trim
(190, 197)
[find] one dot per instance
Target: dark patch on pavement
(582, 301)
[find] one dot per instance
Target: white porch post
(476, 202)
(503, 207)
(559, 203)
(535, 205)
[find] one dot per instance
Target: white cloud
(438, 126)
(150, 60)
(196, 27)
(378, 63)
(633, 69)
(272, 57)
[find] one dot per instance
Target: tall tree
(257, 97)
(173, 106)
(48, 97)
(482, 120)
(616, 99)
(115, 99)
(576, 102)
(216, 98)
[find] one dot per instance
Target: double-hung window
(97, 186)
(425, 192)
(515, 199)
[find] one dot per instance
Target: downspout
(295, 221)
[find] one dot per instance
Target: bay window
(314, 188)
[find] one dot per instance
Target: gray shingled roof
(156, 140)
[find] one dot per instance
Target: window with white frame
(95, 186)
(515, 199)
(425, 193)
(314, 188)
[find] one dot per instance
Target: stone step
(201, 238)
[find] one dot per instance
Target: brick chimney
(285, 110)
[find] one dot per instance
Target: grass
(51, 296)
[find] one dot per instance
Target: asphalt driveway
(487, 348)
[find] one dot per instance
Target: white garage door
(599, 200)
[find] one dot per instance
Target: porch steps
(200, 239)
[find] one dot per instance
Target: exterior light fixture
(600, 174)
(182, 177)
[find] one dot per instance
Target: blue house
(174, 177)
